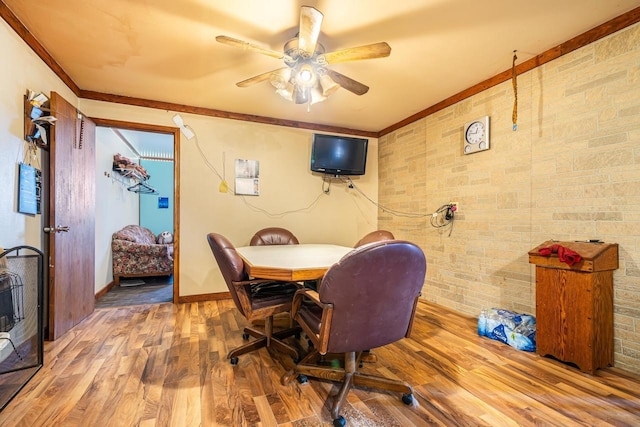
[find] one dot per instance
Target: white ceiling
(165, 50)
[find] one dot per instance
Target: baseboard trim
(104, 290)
(204, 297)
(181, 299)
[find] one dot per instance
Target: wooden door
(71, 218)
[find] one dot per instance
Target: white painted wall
(20, 70)
(115, 206)
(287, 185)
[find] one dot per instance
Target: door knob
(58, 229)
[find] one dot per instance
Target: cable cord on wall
(283, 213)
(379, 206)
(443, 217)
(204, 157)
(326, 184)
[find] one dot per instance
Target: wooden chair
(375, 236)
(273, 236)
(366, 300)
(255, 299)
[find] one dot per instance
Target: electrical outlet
(455, 207)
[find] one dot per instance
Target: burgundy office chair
(255, 299)
(375, 236)
(273, 236)
(366, 300)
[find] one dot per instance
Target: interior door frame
(143, 127)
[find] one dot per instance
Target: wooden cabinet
(574, 304)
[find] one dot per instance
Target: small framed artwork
(163, 203)
(247, 177)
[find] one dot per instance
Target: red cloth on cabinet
(565, 255)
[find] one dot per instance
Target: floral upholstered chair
(136, 254)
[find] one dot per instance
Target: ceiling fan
(306, 78)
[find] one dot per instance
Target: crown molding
(210, 112)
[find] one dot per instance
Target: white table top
(291, 262)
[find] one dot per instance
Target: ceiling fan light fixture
(306, 76)
(317, 95)
(301, 94)
(328, 85)
(286, 91)
(280, 79)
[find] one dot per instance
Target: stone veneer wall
(570, 172)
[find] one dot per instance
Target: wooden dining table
(291, 262)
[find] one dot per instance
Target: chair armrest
(250, 282)
(260, 281)
(308, 296)
(276, 292)
(300, 296)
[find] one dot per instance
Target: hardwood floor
(164, 365)
(154, 290)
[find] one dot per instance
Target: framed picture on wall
(247, 177)
(29, 183)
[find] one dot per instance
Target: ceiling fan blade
(348, 83)
(249, 46)
(260, 77)
(310, 23)
(370, 51)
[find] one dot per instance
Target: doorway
(156, 149)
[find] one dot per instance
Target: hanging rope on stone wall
(514, 81)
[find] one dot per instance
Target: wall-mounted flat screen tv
(338, 155)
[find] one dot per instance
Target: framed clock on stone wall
(476, 135)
